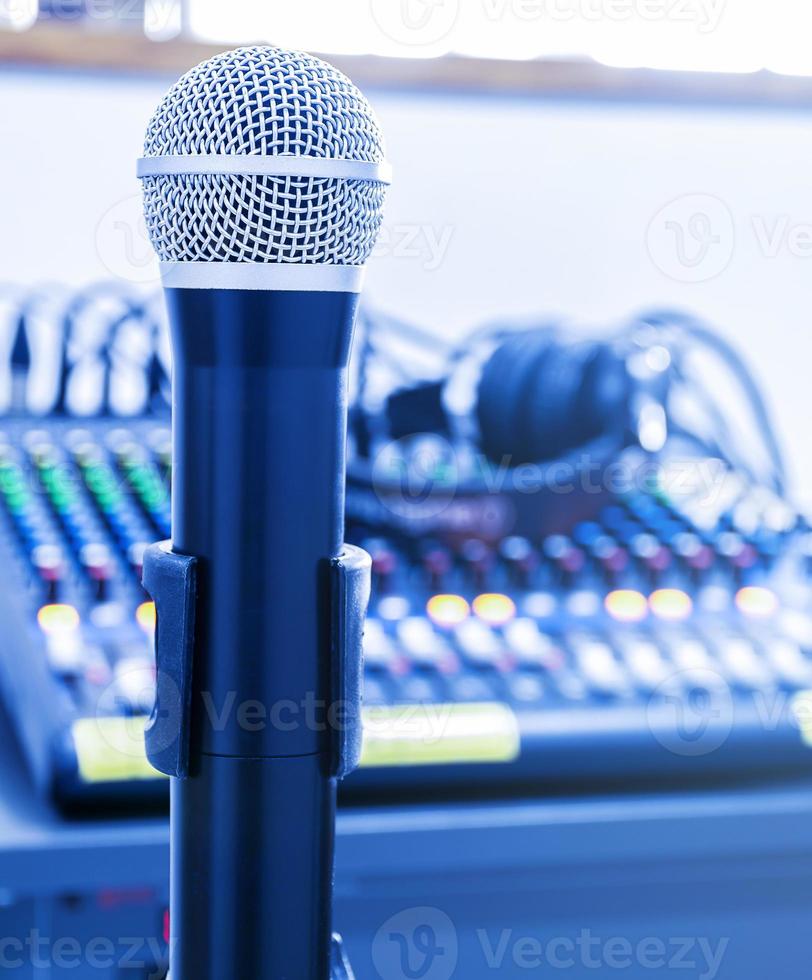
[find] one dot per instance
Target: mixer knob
(437, 563)
(692, 551)
(135, 556)
(567, 559)
(520, 557)
(384, 562)
(653, 556)
(97, 563)
(49, 563)
(478, 559)
(611, 557)
(740, 555)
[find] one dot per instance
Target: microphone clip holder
(171, 580)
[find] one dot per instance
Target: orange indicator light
(447, 610)
(671, 604)
(145, 617)
(58, 618)
(756, 601)
(494, 608)
(626, 605)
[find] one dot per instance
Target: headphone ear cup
(607, 391)
(551, 411)
(501, 391)
(540, 397)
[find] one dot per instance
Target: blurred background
(544, 151)
(608, 199)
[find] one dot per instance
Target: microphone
(263, 181)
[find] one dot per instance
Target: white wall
(547, 206)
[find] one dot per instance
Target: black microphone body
(259, 420)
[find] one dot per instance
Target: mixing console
(634, 606)
(654, 636)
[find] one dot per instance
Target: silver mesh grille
(264, 101)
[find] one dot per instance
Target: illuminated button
(646, 664)
(600, 668)
(494, 608)
(714, 599)
(756, 601)
(697, 668)
(416, 688)
(393, 607)
(145, 617)
(471, 687)
(526, 688)
(626, 605)
(60, 624)
(540, 605)
(583, 603)
(691, 655)
(788, 660)
(107, 615)
(421, 642)
(526, 641)
(447, 611)
(671, 604)
(379, 650)
(797, 626)
(58, 618)
(478, 642)
(743, 663)
(135, 683)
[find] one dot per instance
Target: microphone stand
(260, 608)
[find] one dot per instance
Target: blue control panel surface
(644, 635)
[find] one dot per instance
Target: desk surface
(733, 864)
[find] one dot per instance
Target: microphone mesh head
(267, 102)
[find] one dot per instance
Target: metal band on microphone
(286, 277)
(266, 166)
